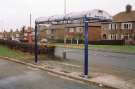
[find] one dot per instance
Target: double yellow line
(71, 46)
(80, 46)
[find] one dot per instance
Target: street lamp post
(65, 7)
(65, 11)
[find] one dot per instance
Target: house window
(117, 36)
(54, 22)
(113, 36)
(78, 29)
(33, 33)
(127, 26)
(52, 31)
(104, 36)
(76, 21)
(25, 34)
(48, 32)
(112, 26)
(0, 36)
(109, 36)
(17, 35)
(71, 29)
(126, 37)
(69, 22)
(122, 36)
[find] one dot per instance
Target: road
(17, 76)
(113, 63)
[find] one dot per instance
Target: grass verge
(114, 48)
(16, 54)
(7, 52)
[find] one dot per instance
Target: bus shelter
(84, 18)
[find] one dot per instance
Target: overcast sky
(15, 13)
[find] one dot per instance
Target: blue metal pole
(36, 46)
(86, 47)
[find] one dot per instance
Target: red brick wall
(94, 33)
(59, 33)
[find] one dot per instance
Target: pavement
(17, 76)
(105, 78)
(115, 66)
(118, 64)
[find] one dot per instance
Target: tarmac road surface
(17, 76)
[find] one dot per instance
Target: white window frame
(71, 29)
(78, 29)
(122, 36)
(1, 36)
(17, 35)
(109, 36)
(113, 26)
(113, 36)
(76, 21)
(129, 26)
(25, 34)
(117, 37)
(48, 32)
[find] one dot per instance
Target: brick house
(1, 35)
(26, 34)
(122, 26)
(70, 31)
(12, 35)
(55, 32)
(6, 35)
(16, 35)
(42, 30)
(74, 27)
(76, 31)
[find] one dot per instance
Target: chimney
(128, 8)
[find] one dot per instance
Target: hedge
(25, 47)
(108, 42)
(100, 42)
